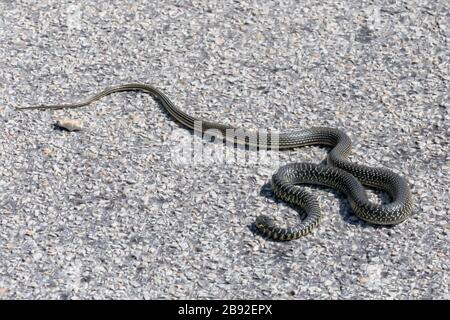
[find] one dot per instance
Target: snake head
(264, 222)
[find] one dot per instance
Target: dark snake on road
(339, 173)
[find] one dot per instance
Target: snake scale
(339, 173)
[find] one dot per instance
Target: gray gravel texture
(107, 212)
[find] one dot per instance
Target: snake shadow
(344, 208)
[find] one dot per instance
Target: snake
(338, 173)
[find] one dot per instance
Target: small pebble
(69, 124)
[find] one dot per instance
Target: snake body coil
(339, 173)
